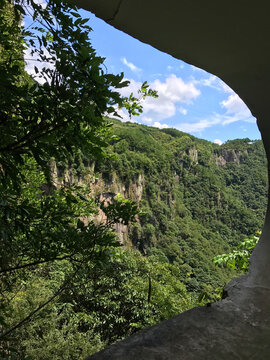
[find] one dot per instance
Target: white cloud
(234, 105)
(155, 75)
(218, 141)
(213, 82)
(251, 120)
(160, 108)
(175, 89)
(42, 3)
(160, 126)
(199, 126)
(182, 110)
(147, 120)
(131, 66)
(210, 81)
(236, 110)
(172, 93)
(175, 95)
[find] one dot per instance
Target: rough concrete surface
(234, 328)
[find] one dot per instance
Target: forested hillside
(198, 198)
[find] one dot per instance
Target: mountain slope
(198, 198)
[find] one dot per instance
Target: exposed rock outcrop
(193, 153)
(103, 191)
(230, 155)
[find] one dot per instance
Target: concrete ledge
(237, 327)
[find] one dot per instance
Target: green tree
(57, 114)
(239, 258)
(106, 303)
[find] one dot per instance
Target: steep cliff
(198, 198)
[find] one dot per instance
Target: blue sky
(190, 99)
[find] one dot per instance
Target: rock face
(220, 161)
(103, 190)
(107, 190)
(193, 153)
(220, 331)
(230, 155)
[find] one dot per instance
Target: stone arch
(231, 40)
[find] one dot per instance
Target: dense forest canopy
(199, 199)
(73, 182)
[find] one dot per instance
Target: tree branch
(27, 318)
(34, 263)
(27, 139)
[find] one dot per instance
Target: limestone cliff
(230, 155)
(103, 190)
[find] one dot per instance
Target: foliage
(53, 332)
(198, 199)
(102, 303)
(57, 113)
(53, 116)
(238, 258)
(133, 104)
(62, 112)
(120, 210)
